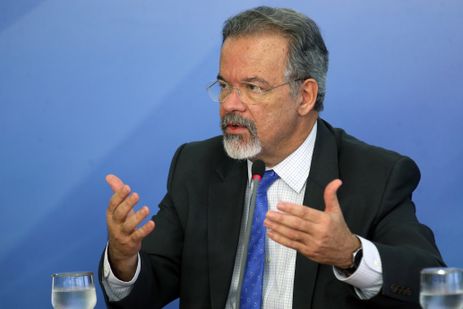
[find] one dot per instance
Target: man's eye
(254, 88)
(223, 85)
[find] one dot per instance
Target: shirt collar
(294, 169)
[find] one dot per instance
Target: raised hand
(124, 236)
(321, 236)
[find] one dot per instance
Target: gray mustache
(235, 119)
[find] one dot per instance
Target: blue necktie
(251, 292)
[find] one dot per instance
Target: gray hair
(307, 56)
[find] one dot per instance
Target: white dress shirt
(280, 261)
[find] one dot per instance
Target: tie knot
(269, 177)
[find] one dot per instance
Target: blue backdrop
(91, 87)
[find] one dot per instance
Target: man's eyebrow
(219, 77)
(254, 79)
(251, 79)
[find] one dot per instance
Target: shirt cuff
(368, 278)
(115, 288)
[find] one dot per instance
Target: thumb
(330, 197)
(114, 182)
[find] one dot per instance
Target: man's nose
(233, 101)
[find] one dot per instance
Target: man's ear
(309, 91)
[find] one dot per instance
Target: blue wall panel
(92, 87)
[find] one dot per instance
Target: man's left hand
(321, 236)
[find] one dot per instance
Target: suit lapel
(324, 168)
(226, 200)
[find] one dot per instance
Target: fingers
(124, 231)
(118, 198)
(330, 197)
(284, 222)
(284, 231)
(121, 212)
(143, 231)
(133, 220)
(293, 209)
(123, 222)
(322, 236)
(121, 216)
(300, 211)
(290, 227)
(114, 182)
(124, 215)
(285, 241)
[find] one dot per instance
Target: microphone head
(258, 168)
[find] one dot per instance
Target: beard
(235, 145)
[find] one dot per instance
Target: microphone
(257, 171)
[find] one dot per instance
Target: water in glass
(441, 288)
(73, 291)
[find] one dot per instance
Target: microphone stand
(257, 172)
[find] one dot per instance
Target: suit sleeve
(405, 245)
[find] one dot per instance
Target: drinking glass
(441, 288)
(73, 291)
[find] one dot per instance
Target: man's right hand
(124, 236)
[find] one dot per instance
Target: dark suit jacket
(192, 250)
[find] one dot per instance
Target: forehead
(261, 55)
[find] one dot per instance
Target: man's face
(266, 128)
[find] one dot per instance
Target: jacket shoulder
(206, 148)
(365, 161)
(350, 147)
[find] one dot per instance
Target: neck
(284, 151)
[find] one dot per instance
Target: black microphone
(257, 171)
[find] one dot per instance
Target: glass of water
(73, 291)
(441, 288)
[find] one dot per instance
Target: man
(341, 226)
